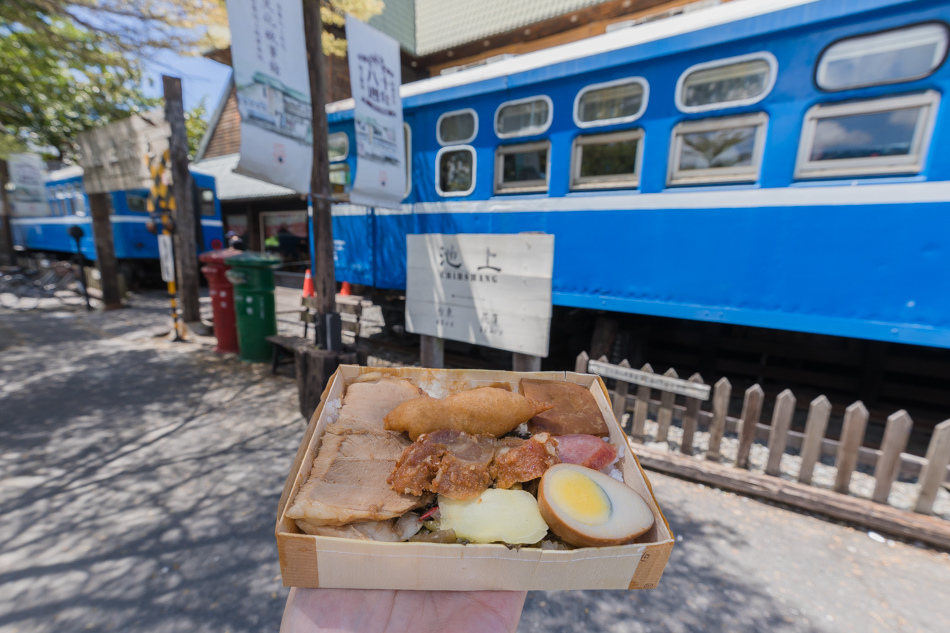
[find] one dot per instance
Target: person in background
(236, 241)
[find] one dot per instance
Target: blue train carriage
(771, 164)
(134, 244)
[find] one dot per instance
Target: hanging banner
(28, 198)
(273, 91)
(375, 76)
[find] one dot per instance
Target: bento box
(331, 562)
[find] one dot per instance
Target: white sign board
(492, 290)
(166, 257)
(269, 57)
(28, 199)
(648, 379)
(115, 157)
(375, 75)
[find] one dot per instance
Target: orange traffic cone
(307, 285)
(345, 290)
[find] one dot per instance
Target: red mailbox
(222, 298)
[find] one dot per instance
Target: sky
(201, 78)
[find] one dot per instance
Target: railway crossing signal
(160, 206)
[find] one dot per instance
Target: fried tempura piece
(482, 411)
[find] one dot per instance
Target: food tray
(323, 561)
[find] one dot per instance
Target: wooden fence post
(641, 408)
(778, 434)
(938, 456)
(896, 434)
(690, 419)
(525, 362)
(620, 396)
(580, 365)
(431, 351)
(852, 435)
(717, 427)
(815, 427)
(664, 417)
(751, 412)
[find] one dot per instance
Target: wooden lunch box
(321, 561)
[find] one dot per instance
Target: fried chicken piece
(524, 461)
(482, 411)
(448, 462)
(462, 466)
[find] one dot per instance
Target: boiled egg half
(587, 508)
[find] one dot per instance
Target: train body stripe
(919, 192)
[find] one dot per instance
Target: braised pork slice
(391, 530)
(367, 403)
(347, 482)
(573, 408)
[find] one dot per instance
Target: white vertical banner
(28, 198)
(269, 56)
(375, 76)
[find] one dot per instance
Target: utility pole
(100, 208)
(324, 273)
(186, 247)
(6, 214)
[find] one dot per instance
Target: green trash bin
(252, 275)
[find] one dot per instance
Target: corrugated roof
(428, 26)
(443, 24)
(232, 186)
(398, 20)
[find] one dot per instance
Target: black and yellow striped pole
(161, 206)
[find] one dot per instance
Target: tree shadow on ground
(696, 594)
(142, 488)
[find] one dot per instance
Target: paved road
(139, 479)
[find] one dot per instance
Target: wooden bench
(284, 345)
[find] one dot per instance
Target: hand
(379, 611)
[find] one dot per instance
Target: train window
(340, 180)
(338, 146)
(882, 136)
(612, 102)
(522, 168)
(725, 149)
(457, 127)
(455, 166)
(523, 117)
(408, 147)
(136, 202)
(726, 83)
(79, 200)
(605, 161)
(61, 207)
(883, 58)
(207, 202)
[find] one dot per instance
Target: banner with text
(492, 290)
(375, 76)
(273, 91)
(28, 198)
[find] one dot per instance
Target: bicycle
(23, 290)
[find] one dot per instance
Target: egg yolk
(580, 497)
